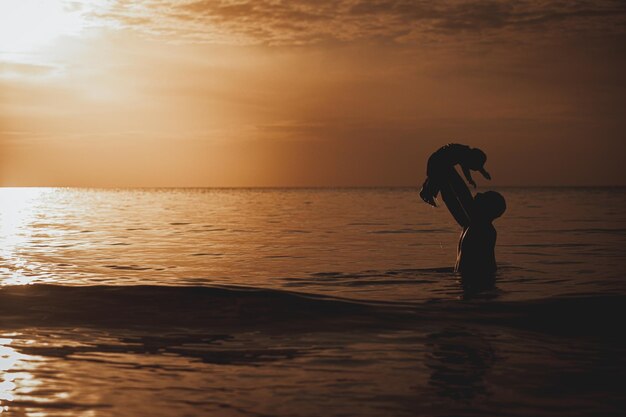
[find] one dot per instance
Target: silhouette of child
(441, 164)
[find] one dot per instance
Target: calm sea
(306, 302)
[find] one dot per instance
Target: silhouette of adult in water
(476, 261)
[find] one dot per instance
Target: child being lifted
(443, 160)
(476, 259)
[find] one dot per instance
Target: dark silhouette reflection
(484, 288)
(476, 261)
(459, 360)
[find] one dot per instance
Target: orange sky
(308, 93)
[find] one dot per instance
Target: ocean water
(306, 302)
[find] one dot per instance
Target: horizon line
(295, 187)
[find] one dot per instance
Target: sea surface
(307, 302)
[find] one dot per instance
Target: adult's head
(489, 205)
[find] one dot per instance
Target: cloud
(10, 69)
(399, 21)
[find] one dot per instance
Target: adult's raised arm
(457, 197)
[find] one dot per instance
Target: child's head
(477, 159)
(489, 205)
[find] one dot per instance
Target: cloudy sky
(309, 93)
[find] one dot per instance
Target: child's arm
(468, 175)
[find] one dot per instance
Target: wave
(187, 306)
(228, 307)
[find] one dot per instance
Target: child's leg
(436, 175)
(426, 192)
(435, 190)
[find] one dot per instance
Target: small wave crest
(188, 306)
(225, 307)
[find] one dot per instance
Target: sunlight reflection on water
(19, 206)
(12, 381)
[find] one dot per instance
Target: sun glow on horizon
(27, 26)
(109, 93)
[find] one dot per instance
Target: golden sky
(309, 93)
